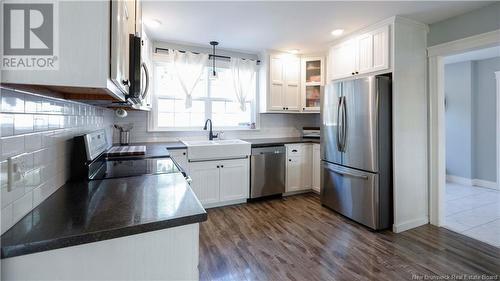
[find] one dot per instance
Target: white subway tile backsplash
(12, 146)
(41, 123)
(6, 218)
(12, 102)
(7, 124)
(32, 104)
(3, 173)
(23, 124)
(32, 142)
(43, 128)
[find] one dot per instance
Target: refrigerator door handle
(344, 173)
(344, 124)
(339, 124)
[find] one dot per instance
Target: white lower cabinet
(180, 157)
(205, 181)
(298, 167)
(218, 183)
(316, 162)
(234, 180)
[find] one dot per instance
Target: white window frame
(152, 115)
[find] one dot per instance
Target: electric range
(91, 161)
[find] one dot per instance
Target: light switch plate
(16, 171)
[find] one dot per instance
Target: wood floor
(298, 239)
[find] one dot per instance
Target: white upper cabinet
(343, 59)
(284, 83)
(292, 88)
(92, 51)
(381, 49)
(277, 84)
(312, 83)
(365, 53)
(122, 12)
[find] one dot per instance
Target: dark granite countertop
(84, 212)
(279, 141)
(158, 147)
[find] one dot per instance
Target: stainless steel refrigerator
(356, 150)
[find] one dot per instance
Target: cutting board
(126, 150)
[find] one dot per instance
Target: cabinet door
(234, 179)
(180, 157)
(365, 53)
(292, 84)
(277, 84)
(306, 167)
(205, 184)
(293, 173)
(343, 59)
(121, 15)
(312, 80)
(381, 50)
(316, 161)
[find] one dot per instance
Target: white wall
(470, 89)
(479, 21)
(273, 125)
(42, 130)
(458, 92)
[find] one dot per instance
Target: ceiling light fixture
(213, 75)
(153, 23)
(337, 32)
(294, 51)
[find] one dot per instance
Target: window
(214, 99)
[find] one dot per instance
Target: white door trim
(437, 165)
(497, 77)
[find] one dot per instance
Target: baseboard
(486, 184)
(472, 182)
(458, 180)
(397, 228)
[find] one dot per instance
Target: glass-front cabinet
(312, 82)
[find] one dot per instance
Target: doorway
(464, 136)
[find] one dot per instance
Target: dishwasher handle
(268, 150)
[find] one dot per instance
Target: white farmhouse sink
(217, 149)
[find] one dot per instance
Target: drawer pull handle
(294, 150)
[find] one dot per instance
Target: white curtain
(189, 67)
(243, 71)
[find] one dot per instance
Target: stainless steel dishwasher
(267, 170)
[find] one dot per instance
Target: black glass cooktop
(108, 169)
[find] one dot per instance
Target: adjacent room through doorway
(472, 197)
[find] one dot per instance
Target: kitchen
(151, 151)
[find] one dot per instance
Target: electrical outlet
(16, 171)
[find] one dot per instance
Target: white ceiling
(481, 54)
(256, 26)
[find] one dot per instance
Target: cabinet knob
(222, 166)
(184, 153)
(218, 167)
(290, 160)
(357, 72)
(352, 73)
(126, 82)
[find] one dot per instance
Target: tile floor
(473, 211)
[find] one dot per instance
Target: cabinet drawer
(294, 149)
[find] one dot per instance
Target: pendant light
(213, 75)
